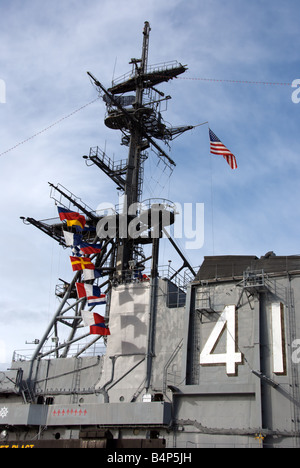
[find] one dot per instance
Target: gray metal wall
(260, 400)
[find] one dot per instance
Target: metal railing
(97, 349)
(162, 66)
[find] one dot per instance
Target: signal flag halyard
(217, 147)
(93, 294)
(89, 249)
(99, 329)
(92, 274)
(96, 323)
(80, 263)
(72, 217)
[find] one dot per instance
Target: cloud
(44, 55)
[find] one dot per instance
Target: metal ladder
(76, 381)
(27, 393)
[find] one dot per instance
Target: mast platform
(154, 75)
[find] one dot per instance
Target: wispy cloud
(44, 55)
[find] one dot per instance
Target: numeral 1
(278, 338)
(231, 357)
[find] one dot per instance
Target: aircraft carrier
(174, 359)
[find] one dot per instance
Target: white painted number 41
(231, 357)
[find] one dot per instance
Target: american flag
(217, 147)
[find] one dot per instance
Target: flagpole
(199, 125)
(212, 206)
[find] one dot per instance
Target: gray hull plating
(196, 397)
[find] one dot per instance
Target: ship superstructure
(178, 359)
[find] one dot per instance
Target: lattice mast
(125, 251)
(141, 124)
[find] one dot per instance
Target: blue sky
(45, 51)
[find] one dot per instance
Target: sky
(232, 50)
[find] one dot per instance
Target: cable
(215, 80)
(235, 81)
(50, 126)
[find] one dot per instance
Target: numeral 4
(231, 357)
